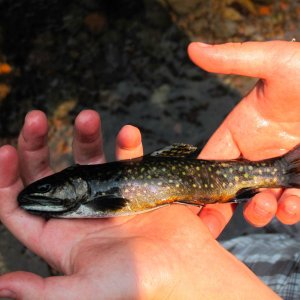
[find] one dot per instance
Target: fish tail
(291, 161)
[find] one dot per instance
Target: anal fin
(245, 194)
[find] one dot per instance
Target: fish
(172, 174)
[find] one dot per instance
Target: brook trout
(170, 175)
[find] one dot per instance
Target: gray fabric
(274, 257)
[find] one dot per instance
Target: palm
(151, 245)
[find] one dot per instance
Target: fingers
(261, 209)
(88, 142)
(9, 171)
(220, 146)
(23, 226)
(21, 285)
(288, 211)
(33, 148)
(216, 217)
(129, 143)
(255, 59)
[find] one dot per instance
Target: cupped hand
(167, 253)
(266, 123)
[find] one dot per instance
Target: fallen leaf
(5, 69)
(4, 91)
(95, 22)
(264, 10)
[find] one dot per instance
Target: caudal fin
(292, 169)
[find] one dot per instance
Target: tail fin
(292, 170)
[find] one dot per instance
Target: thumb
(21, 285)
(254, 59)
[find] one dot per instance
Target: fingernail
(203, 45)
(8, 294)
(261, 211)
(290, 208)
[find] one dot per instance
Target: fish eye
(44, 188)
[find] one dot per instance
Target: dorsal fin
(177, 150)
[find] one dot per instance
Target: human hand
(266, 123)
(165, 253)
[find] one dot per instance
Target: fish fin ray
(107, 203)
(177, 150)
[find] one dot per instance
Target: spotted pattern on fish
(161, 178)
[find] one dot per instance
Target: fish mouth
(43, 204)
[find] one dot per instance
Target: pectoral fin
(107, 203)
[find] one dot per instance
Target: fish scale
(170, 175)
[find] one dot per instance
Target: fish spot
(197, 168)
(205, 185)
(224, 184)
(211, 185)
(268, 170)
(194, 185)
(163, 169)
(260, 172)
(218, 172)
(126, 191)
(160, 183)
(241, 169)
(177, 185)
(173, 168)
(209, 169)
(231, 170)
(225, 175)
(183, 173)
(250, 168)
(246, 175)
(170, 181)
(230, 184)
(236, 178)
(149, 177)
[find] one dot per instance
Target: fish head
(54, 194)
